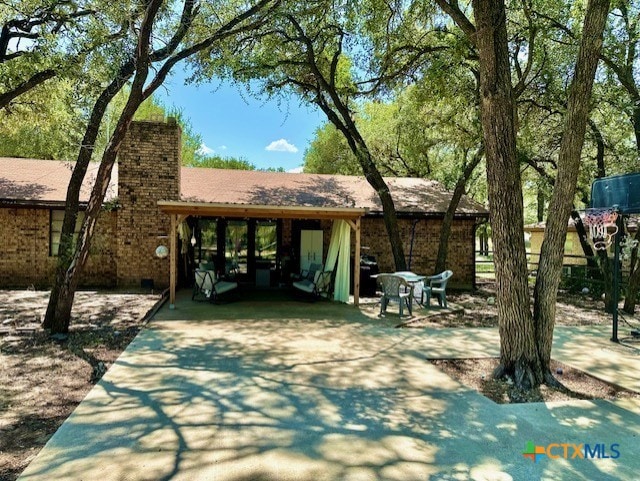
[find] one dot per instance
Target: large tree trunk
(67, 289)
(540, 204)
(72, 204)
(518, 354)
(336, 108)
(600, 148)
(374, 178)
(59, 311)
(631, 295)
(634, 279)
(140, 91)
(578, 107)
(341, 118)
(605, 265)
(390, 218)
(587, 250)
(458, 192)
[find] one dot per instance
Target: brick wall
(123, 251)
(461, 258)
(25, 259)
(148, 171)
(123, 248)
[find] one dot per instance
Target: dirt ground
(42, 380)
(476, 374)
(480, 311)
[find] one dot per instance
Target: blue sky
(267, 133)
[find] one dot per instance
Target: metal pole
(413, 235)
(616, 275)
(356, 266)
(173, 255)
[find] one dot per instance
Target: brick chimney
(148, 171)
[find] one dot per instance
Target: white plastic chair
(436, 286)
(395, 288)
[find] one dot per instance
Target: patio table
(411, 278)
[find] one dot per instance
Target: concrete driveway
(298, 391)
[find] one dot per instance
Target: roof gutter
(259, 211)
(430, 215)
(39, 204)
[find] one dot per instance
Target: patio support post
(173, 260)
(179, 210)
(356, 267)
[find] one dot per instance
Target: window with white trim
(55, 230)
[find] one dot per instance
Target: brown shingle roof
(316, 190)
(47, 180)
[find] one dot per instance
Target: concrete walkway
(296, 391)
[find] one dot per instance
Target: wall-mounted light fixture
(162, 252)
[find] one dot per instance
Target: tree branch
(452, 8)
(519, 88)
(7, 97)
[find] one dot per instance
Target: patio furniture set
(209, 286)
(400, 286)
(315, 282)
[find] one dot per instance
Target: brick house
(253, 222)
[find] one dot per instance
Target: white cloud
(297, 170)
(281, 146)
(223, 147)
(205, 150)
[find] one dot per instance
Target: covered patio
(179, 211)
